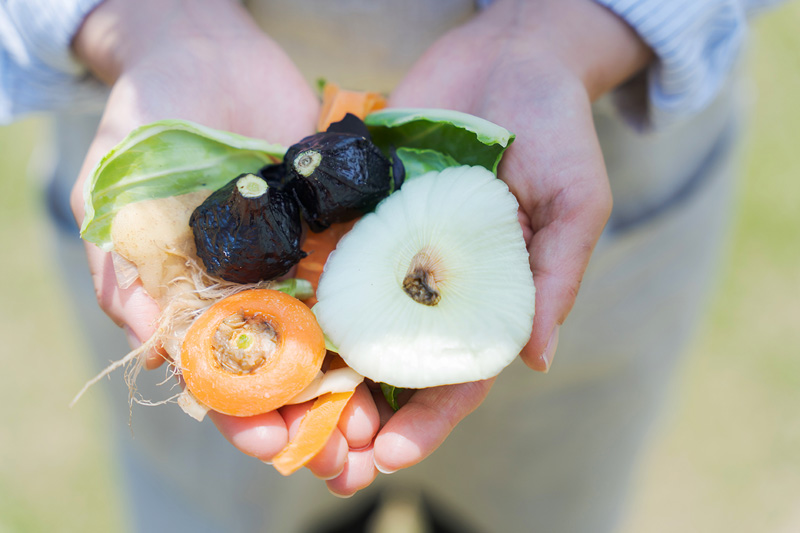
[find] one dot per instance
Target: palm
(556, 171)
(221, 89)
(554, 167)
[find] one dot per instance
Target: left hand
(207, 62)
(534, 68)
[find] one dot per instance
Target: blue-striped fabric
(37, 70)
(697, 43)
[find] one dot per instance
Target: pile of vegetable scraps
(371, 249)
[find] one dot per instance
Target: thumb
(556, 171)
(130, 308)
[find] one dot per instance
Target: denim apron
(551, 452)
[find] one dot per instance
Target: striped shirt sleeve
(697, 44)
(37, 69)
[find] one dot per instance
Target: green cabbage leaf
(166, 158)
(463, 138)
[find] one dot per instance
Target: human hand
(168, 60)
(534, 68)
(206, 62)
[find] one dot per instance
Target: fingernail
(133, 340)
(267, 463)
(550, 351)
(328, 478)
(383, 470)
(342, 496)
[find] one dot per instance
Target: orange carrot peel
(337, 102)
(315, 428)
(319, 246)
(314, 431)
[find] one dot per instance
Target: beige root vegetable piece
(155, 236)
(153, 243)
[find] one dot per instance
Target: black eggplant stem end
(251, 186)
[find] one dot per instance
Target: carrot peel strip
(337, 102)
(319, 246)
(314, 431)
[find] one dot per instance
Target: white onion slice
(337, 380)
(466, 219)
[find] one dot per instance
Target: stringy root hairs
(172, 324)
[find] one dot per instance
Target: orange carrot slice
(319, 246)
(252, 352)
(337, 102)
(314, 431)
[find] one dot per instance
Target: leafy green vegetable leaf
(295, 287)
(418, 162)
(166, 158)
(390, 392)
(467, 139)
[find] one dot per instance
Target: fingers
(423, 423)
(559, 254)
(260, 436)
(349, 469)
(556, 171)
(359, 472)
(409, 436)
(131, 308)
(360, 421)
(329, 462)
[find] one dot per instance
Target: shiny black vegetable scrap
(275, 175)
(350, 124)
(247, 231)
(336, 177)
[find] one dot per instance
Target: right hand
(165, 60)
(209, 63)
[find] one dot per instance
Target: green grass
(728, 459)
(56, 472)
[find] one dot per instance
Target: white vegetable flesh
(337, 380)
(434, 287)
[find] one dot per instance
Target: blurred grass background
(56, 472)
(726, 460)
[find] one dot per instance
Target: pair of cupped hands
(533, 67)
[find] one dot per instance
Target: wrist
(592, 43)
(118, 34)
(602, 49)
